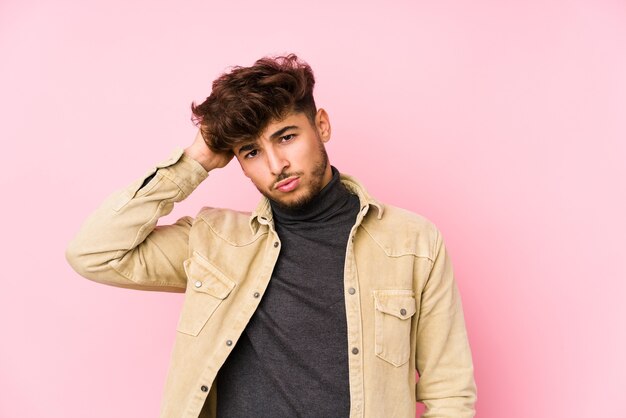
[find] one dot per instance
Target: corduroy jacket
(403, 308)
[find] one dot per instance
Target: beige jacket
(403, 307)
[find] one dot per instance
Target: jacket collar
(262, 215)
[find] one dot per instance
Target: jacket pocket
(392, 323)
(207, 287)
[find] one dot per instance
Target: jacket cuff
(183, 171)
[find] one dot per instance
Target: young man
(323, 302)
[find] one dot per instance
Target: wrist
(201, 156)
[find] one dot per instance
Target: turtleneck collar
(330, 200)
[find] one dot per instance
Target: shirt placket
(355, 325)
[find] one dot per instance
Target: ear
(322, 124)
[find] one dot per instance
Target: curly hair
(247, 99)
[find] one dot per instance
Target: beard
(313, 188)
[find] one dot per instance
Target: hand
(210, 160)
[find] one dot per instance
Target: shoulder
(228, 224)
(209, 214)
(395, 230)
(402, 232)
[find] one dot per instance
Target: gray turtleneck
(292, 358)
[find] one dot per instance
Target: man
(322, 302)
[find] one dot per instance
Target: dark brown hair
(246, 99)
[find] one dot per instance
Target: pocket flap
(400, 306)
(206, 278)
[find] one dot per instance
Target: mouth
(288, 184)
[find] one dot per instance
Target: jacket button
(276, 244)
(204, 388)
(198, 283)
(256, 294)
(229, 342)
(402, 311)
(355, 350)
(352, 290)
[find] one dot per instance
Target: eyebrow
(275, 135)
(282, 131)
(246, 147)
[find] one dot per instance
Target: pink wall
(501, 121)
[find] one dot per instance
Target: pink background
(501, 121)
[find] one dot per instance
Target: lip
(288, 184)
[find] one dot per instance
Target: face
(288, 162)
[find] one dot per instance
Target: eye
(287, 138)
(251, 154)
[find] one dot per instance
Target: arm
(444, 360)
(119, 244)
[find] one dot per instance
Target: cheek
(256, 176)
(304, 155)
(242, 165)
(250, 169)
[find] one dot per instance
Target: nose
(276, 161)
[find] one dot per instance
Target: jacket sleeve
(120, 245)
(443, 358)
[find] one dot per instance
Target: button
(352, 290)
(229, 342)
(204, 388)
(257, 294)
(198, 283)
(402, 311)
(276, 244)
(355, 350)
